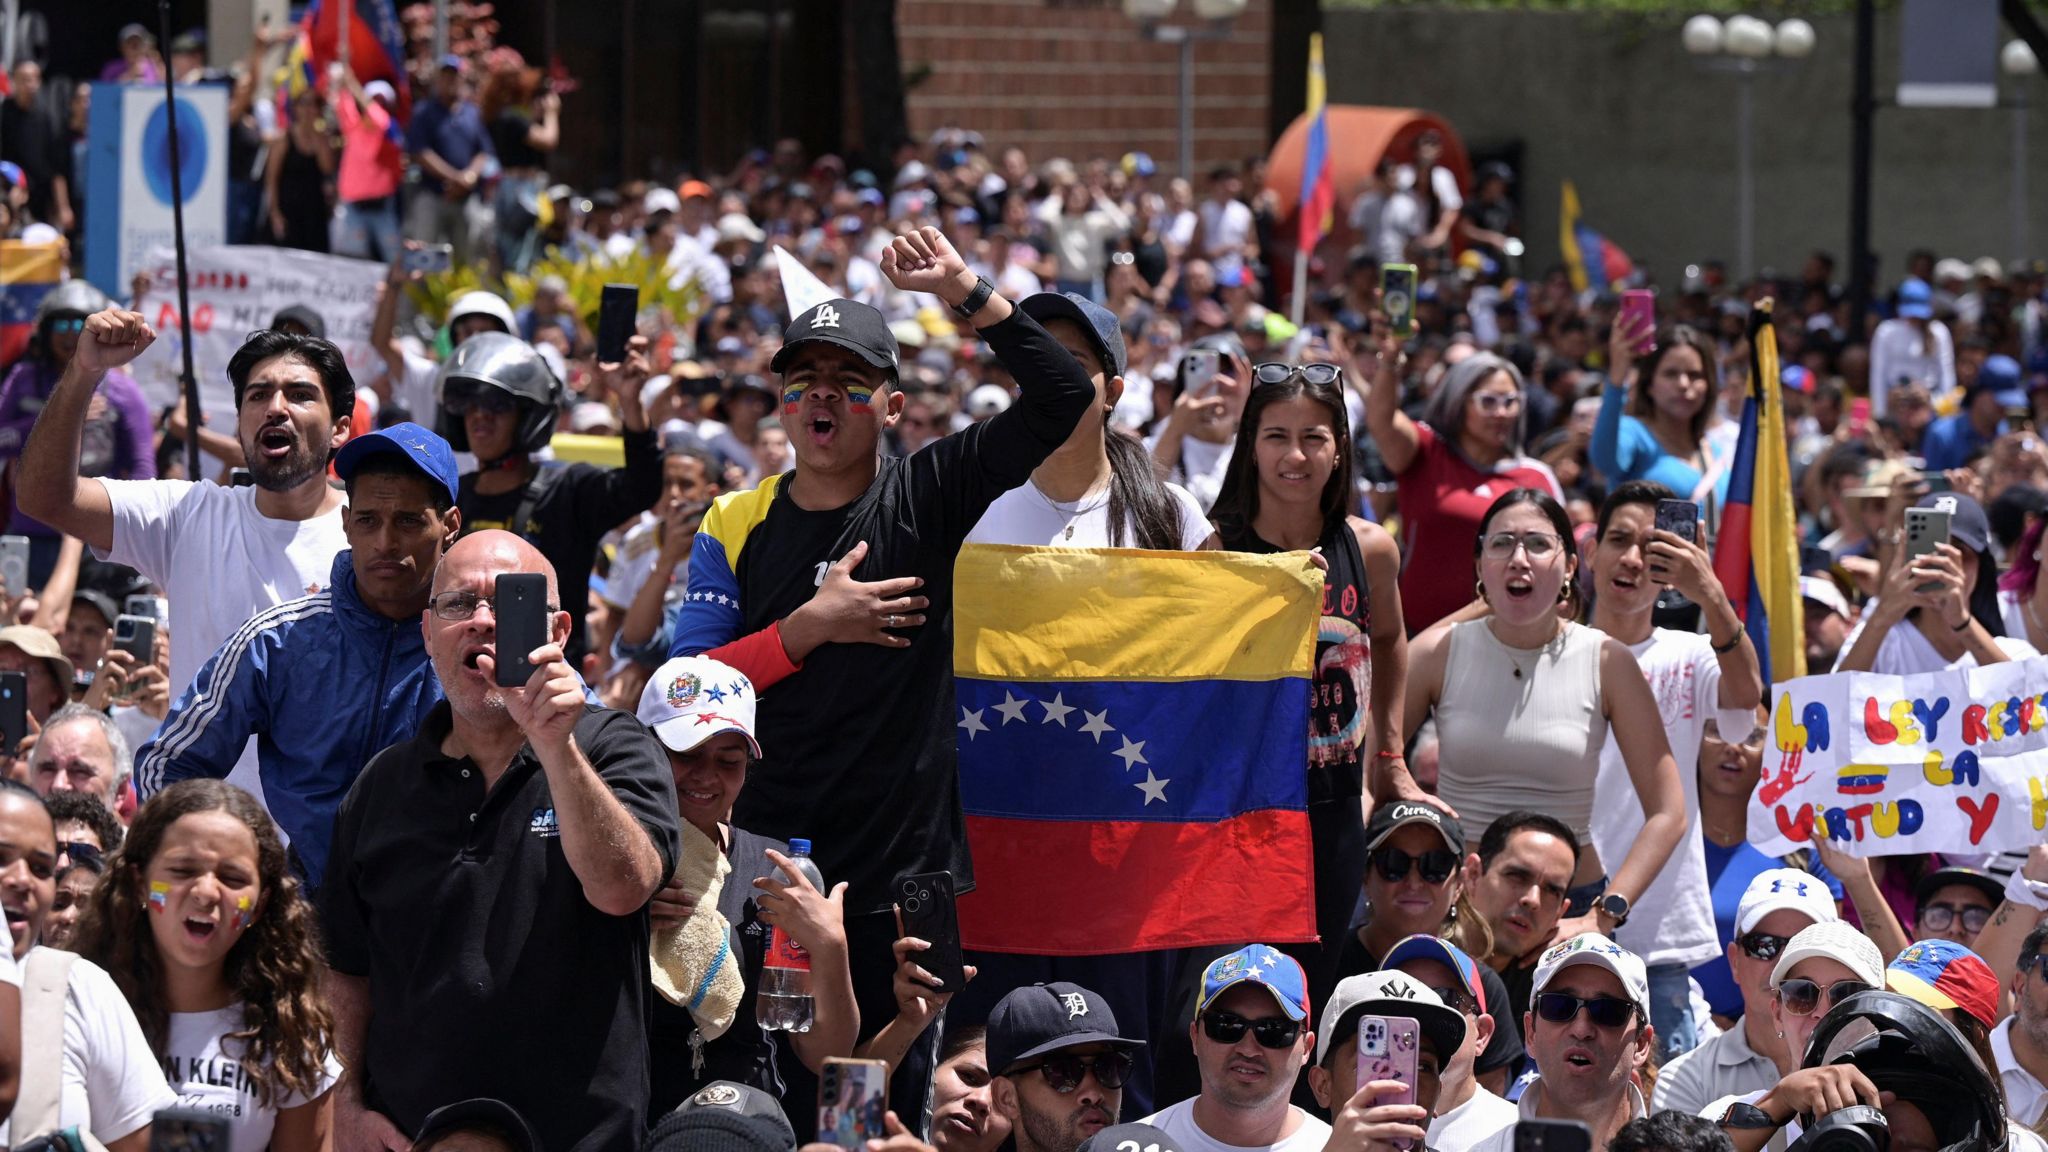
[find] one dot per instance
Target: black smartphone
(1552, 1136)
(929, 915)
(1815, 560)
(136, 635)
(1933, 482)
(188, 1130)
(1681, 518)
(616, 310)
(519, 602)
(13, 711)
(1397, 296)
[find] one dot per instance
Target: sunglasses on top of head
(1319, 374)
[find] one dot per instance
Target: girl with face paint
(201, 924)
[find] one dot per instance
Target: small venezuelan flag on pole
(1757, 556)
(1318, 177)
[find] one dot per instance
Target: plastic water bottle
(784, 1003)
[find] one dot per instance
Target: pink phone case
(1639, 302)
(1387, 1050)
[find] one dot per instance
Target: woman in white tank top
(1523, 699)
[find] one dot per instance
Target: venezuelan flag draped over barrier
(27, 273)
(1134, 729)
(1593, 260)
(1757, 555)
(1318, 178)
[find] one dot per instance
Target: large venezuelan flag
(376, 48)
(1318, 177)
(27, 273)
(1587, 254)
(1133, 736)
(1757, 555)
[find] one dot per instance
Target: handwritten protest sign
(1882, 765)
(236, 290)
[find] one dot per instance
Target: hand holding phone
(929, 914)
(1199, 376)
(1397, 298)
(519, 604)
(1926, 530)
(1389, 1049)
(617, 309)
(1681, 518)
(427, 259)
(852, 1102)
(1638, 316)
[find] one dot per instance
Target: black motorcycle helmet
(1907, 1049)
(505, 363)
(73, 299)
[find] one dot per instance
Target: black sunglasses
(1063, 1074)
(1802, 996)
(1318, 374)
(1940, 916)
(1393, 864)
(1762, 945)
(1604, 1011)
(78, 850)
(1457, 998)
(1271, 1032)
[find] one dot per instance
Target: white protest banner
(1882, 765)
(236, 290)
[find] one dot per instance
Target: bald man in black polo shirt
(485, 906)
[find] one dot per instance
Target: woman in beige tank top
(1523, 700)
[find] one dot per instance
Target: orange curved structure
(1359, 137)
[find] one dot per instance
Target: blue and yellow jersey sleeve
(710, 614)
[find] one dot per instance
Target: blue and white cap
(690, 699)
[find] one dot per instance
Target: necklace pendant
(1518, 671)
(1070, 531)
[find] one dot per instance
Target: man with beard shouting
(221, 554)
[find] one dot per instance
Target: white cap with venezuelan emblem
(693, 698)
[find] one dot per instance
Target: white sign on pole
(134, 216)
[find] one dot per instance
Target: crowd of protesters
(308, 865)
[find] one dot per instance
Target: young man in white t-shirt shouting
(221, 554)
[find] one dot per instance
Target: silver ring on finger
(892, 621)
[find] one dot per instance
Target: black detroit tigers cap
(1043, 1018)
(847, 323)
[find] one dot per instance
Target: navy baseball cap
(1098, 322)
(482, 1112)
(427, 452)
(848, 323)
(1044, 1018)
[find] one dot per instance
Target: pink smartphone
(1387, 1050)
(1639, 306)
(1859, 417)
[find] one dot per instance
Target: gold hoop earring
(1565, 593)
(1479, 590)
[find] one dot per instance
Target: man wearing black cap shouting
(818, 585)
(1059, 1064)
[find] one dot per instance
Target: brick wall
(1074, 78)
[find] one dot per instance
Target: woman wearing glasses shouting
(1463, 454)
(1523, 699)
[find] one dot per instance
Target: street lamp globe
(1795, 39)
(1747, 37)
(1148, 11)
(1219, 10)
(2017, 58)
(1702, 35)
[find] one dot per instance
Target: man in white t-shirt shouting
(1252, 1038)
(221, 554)
(1695, 677)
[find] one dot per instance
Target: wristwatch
(977, 299)
(1615, 905)
(1741, 1115)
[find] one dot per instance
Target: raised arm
(1639, 731)
(1387, 766)
(51, 490)
(1397, 436)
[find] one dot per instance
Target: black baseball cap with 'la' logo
(1045, 1018)
(848, 323)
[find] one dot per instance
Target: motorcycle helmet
(1907, 1049)
(496, 360)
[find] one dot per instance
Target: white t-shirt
(209, 1080)
(1898, 348)
(217, 558)
(632, 563)
(1026, 515)
(2026, 1098)
(1906, 651)
(112, 1085)
(1225, 227)
(1677, 926)
(1202, 467)
(1470, 1122)
(1178, 1122)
